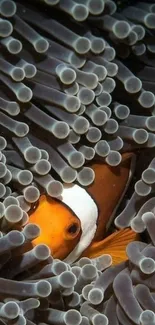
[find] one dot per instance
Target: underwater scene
(77, 162)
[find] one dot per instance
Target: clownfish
(75, 225)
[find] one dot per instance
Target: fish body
(75, 225)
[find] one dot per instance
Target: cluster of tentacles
(77, 84)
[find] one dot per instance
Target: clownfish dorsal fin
(114, 245)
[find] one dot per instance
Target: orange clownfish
(75, 225)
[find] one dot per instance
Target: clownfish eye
(73, 230)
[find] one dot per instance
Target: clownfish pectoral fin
(114, 245)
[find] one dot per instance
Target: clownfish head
(60, 227)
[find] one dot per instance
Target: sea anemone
(77, 84)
